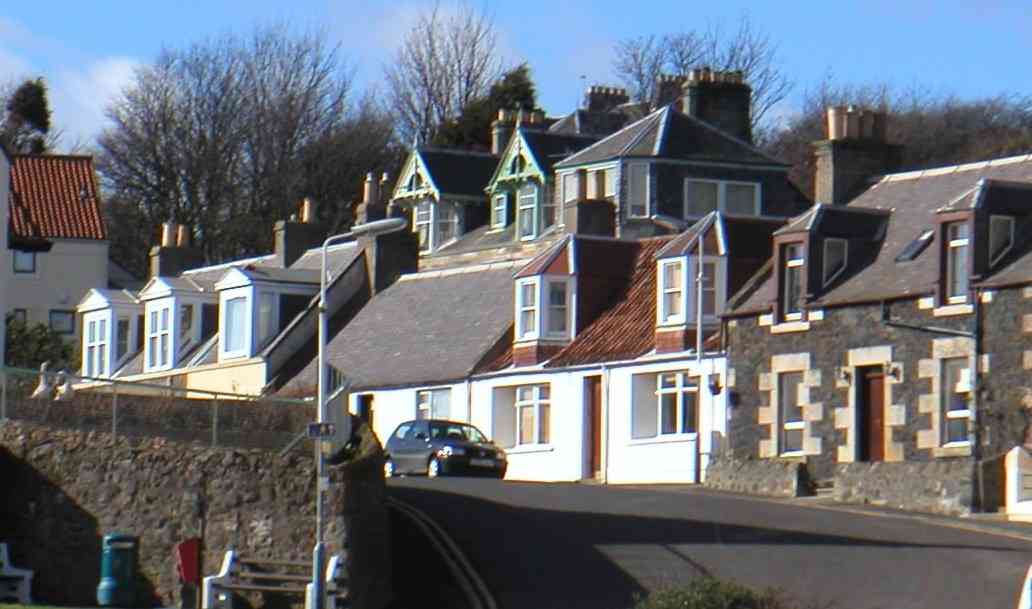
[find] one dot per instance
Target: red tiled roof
(627, 329)
(55, 197)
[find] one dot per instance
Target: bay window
(957, 262)
(704, 196)
(790, 413)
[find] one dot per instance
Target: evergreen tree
(26, 122)
(472, 129)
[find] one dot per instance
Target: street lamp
(378, 227)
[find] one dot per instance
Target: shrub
(710, 593)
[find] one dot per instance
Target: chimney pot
(386, 177)
(168, 234)
(184, 236)
(307, 211)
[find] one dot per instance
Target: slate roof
(425, 328)
(911, 201)
(549, 148)
(459, 172)
(585, 122)
(668, 133)
(55, 197)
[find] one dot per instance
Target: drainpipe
(469, 401)
(605, 424)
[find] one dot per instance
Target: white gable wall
(63, 276)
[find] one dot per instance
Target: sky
(87, 51)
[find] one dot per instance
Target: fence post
(215, 421)
(114, 411)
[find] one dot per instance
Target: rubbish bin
(117, 587)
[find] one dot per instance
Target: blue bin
(117, 587)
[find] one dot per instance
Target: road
(569, 546)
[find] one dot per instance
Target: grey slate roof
(585, 122)
(425, 328)
(459, 172)
(668, 133)
(912, 200)
(549, 148)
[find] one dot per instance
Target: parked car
(437, 447)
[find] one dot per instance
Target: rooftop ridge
(610, 136)
(463, 270)
(947, 169)
(226, 265)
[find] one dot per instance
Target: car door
(396, 445)
(415, 447)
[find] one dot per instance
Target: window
(704, 196)
(678, 396)
(433, 404)
(610, 182)
(956, 385)
(446, 223)
(95, 358)
(528, 196)
(20, 315)
(517, 165)
(790, 413)
(834, 258)
(423, 224)
(24, 262)
(62, 322)
(185, 321)
(499, 211)
(956, 262)
(709, 288)
(532, 414)
(570, 187)
(1001, 237)
(792, 282)
(915, 247)
(557, 309)
(526, 309)
(547, 212)
(236, 325)
(402, 430)
(415, 182)
(638, 190)
(121, 338)
(671, 295)
(266, 317)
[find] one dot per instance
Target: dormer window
(677, 298)
(704, 196)
(570, 190)
(435, 223)
(543, 308)
(235, 326)
(423, 224)
(499, 211)
(528, 199)
(95, 361)
(835, 251)
(1001, 237)
(671, 292)
(638, 190)
(159, 343)
(517, 165)
(957, 262)
(792, 281)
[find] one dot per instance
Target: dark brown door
(871, 414)
(593, 392)
(365, 408)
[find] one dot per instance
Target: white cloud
(80, 97)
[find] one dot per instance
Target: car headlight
(449, 451)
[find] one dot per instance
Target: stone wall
(65, 489)
(943, 487)
(773, 477)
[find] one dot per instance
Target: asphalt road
(570, 546)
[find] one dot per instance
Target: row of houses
(628, 294)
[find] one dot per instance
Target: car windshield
(455, 431)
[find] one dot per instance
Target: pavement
(576, 545)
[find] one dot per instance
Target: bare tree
(229, 134)
(638, 62)
(447, 60)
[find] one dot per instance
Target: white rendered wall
(392, 407)
(62, 278)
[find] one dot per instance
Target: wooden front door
(871, 414)
(593, 395)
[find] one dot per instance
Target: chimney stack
(371, 208)
(668, 90)
(501, 131)
(721, 99)
(604, 99)
(293, 237)
(856, 151)
(175, 252)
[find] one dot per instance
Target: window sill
(953, 309)
(793, 456)
(954, 449)
(529, 449)
(790, 326)
(232, 355)
(676, 438)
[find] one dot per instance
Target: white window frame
(1010, 244)
(427, 402)
(499, 210)
(952, 246)
(428, 222)
(680, 387)
(672, 317)
(538, 401)
(798, 262)
(570, 186)
(158, 348)
(946, 392)
(118, 337)
(20, 255)
(609, 179)
(265, 334)
(535, 216)
(689, 297)
(548, 310)
(445, 213)
(533, 307)
(824, 260)
(96, 341)
(647, 204)
(722, 194)
(783, 425)
(246, 295)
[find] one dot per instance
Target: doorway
(870, 413)
(593, 408)
(365, 409)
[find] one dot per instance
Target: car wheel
(433, 469)
(388, 468)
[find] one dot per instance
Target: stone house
(883, 344)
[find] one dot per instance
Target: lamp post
(378, 227)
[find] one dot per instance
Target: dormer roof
(447, 172)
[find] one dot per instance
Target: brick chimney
(603, 99)
(175, 253)
(501, 131)
(389, 256)
(669, 90)
(721, 99)
(856, 151)
(295, 236)
(372, 206)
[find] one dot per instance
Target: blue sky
(87, 50)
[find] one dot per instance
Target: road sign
(321, 430)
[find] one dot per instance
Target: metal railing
(148, 410)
